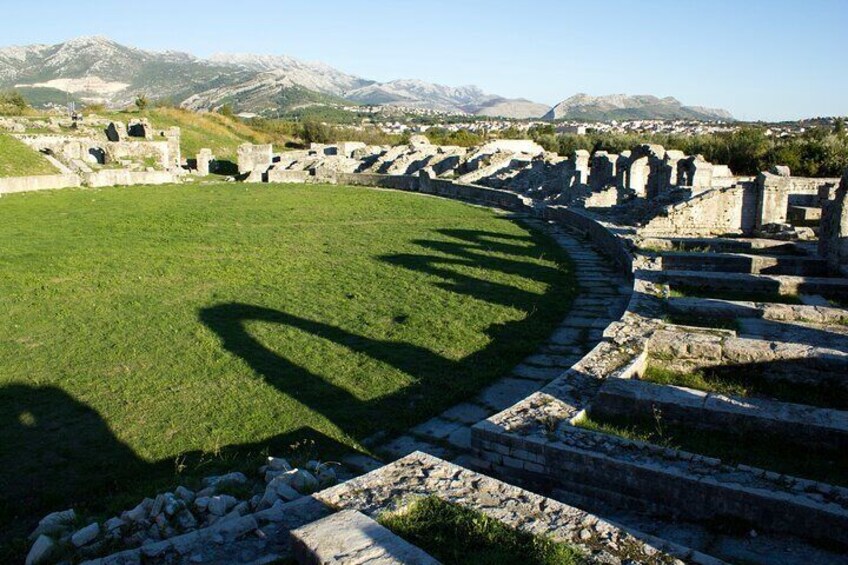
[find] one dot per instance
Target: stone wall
(776, 192)
(642, 477)
(254, 158)
(718, 211)
(833, 245)
(159, 151)
(40, 182)
(121, 177)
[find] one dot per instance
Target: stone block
(352, 538)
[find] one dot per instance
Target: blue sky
(759, 59)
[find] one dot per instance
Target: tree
(12, 103)
(313, 131)
(226, 110)
(141, 102)
(839, 126)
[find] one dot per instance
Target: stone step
(551, 361)
(466, 413)
(782, 284)
(576, 350)
(717, 308)
(668, 481)
(353, 538)
(507, 392)
(724, 245)
(541, 374)
(567, 335)
(435, 428)
(834, 338)
(799, 424)
(754, 264)
(684, 349)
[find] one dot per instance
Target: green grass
(750, 382)
(18, 160)
(755, 448)
(150, 331)
(683, 291)
(696, 380)
(456, 535)
(210, 130)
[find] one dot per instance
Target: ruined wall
(120, 177)
(398, 182)
(776, 192)
(158, 151)
(254, 157)
(718, 211)
(40, 182)
(833, 243)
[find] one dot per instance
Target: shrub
(12, 103)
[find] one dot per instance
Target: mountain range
(97, 69)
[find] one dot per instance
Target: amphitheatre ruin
(688, 405)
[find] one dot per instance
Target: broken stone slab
(54, 523)
(299, 479)
(86, 535)
(221, 504)
(229, 478)
(352, 538)
(278, 464)
(41, 552)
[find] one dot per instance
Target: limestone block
(254, 158)
(353, 538)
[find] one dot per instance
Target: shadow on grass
(58, 453)
(438, 382)
(62, 454)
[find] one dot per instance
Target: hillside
(519, 109)
(97, 69)
(16, 159)
(219, 133)
(624, 107)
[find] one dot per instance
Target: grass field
(163, 330)
(17, 160)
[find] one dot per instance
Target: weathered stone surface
(351, 537)
(86, 535)
(42, 551)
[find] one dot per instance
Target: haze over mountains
(99, 69)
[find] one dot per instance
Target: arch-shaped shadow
(437, 382)
(61, 453)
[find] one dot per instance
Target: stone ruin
(683, 269)
(95, 152)
(660, 190)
